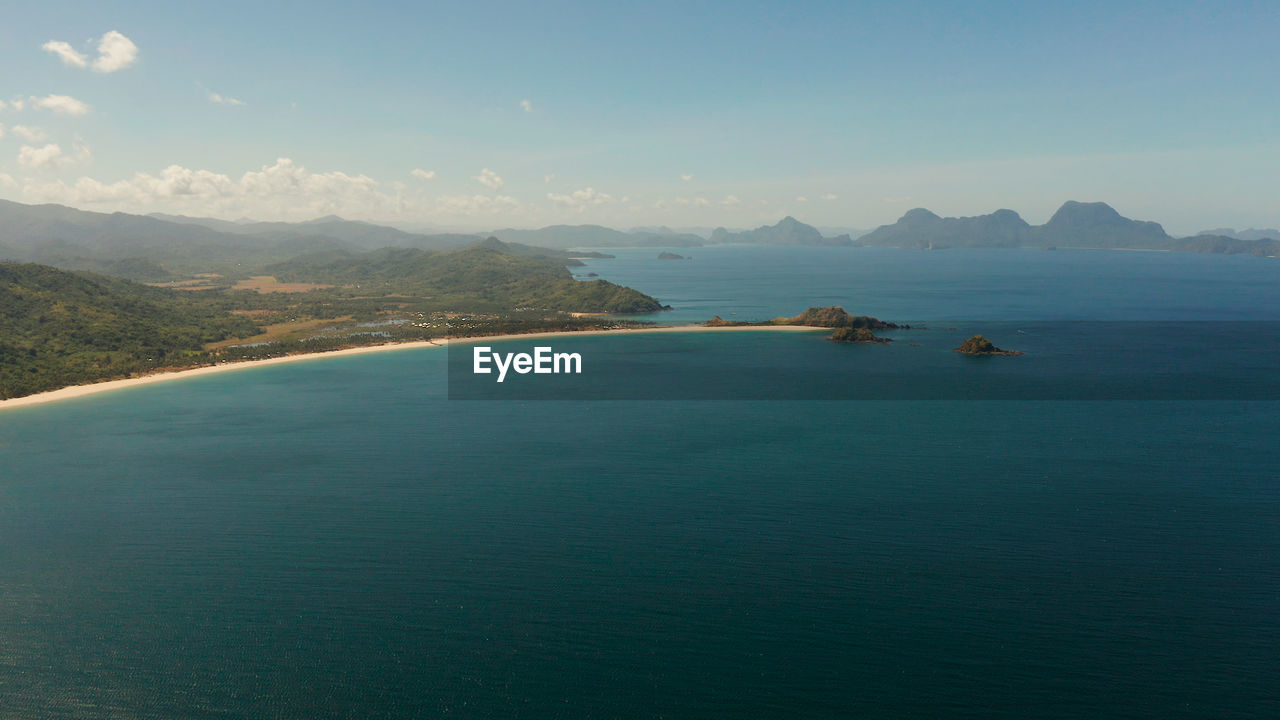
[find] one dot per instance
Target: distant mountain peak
(1075, 212)
(787, 231)
(325, 219)
(1075, 224)
(917, 215)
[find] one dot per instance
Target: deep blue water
(754, 283)
(335, 538)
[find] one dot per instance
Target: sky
(490, 115)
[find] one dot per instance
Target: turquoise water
(335, 538)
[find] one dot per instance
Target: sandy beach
(75, 391)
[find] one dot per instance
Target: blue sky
(688, 113)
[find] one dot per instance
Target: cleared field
(269, 284)
(293, 330)
(195, 284)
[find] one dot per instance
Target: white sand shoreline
(75, 391)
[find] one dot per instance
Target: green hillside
(62, 328)
(480, 278)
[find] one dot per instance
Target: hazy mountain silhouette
(788, 231)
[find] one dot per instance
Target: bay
(337, 538)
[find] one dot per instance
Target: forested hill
(61, 328)
(485, 277)
(152, 249)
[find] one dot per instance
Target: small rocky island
(671, 256)
(980, 346)
(848, 328)
(834, 316)
(856, 335)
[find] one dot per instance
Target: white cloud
(730, 201)
(29, 133)
(36, 158)
(7, 181)
(68, 54)
(828, 196)
(527, 105)
(473, 205)
(2, 104)
(686, 176)
(579, 200)
(284, 191)
(64, 104)
(115, 52)
(489, 179)
(224, 99)
(546, 179)
(694, 201)
(423, 174)
(802, 198)
(1, 132)
(17, 104)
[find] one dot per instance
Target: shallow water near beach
(337, 538)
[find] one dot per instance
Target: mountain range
(149, 248)
(567, 236)
(1249, 234)
(788, 231)
(162, 247)
(1075, 224)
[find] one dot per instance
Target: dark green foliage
(59, 328)
(834, 316)
(856, 335)
(467, 326)
(481, 278)
(567, 257)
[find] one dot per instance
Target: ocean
(339, 538)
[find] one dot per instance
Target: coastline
(75, 391)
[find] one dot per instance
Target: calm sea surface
(336, 538)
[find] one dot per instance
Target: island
(834, 316)
(982, 347)
(856, 335)
(831, 316)
(671, 256)
(848, 328)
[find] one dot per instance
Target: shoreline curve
(75, 391)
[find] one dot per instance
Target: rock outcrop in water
(857, 335)
(980, 346)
